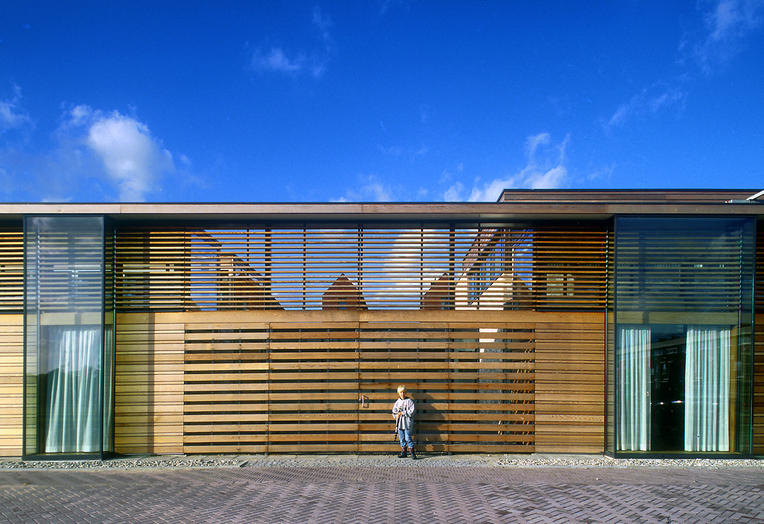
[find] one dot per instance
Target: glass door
(667, 372)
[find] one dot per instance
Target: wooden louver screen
(11, 270)
(309, 385)
(680, 269)
(362, 267)
(759, 286)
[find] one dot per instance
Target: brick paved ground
(384, 494)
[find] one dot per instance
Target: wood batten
(148, 384)
(758, 387)
(11, 338)
(420, 267)
(570, 384)
(325, 381)
(277, 381)
(11, 384)
(11, 270)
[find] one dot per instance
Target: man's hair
(401, 388)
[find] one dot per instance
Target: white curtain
(706, 389)
(633, 389)
(73, 406)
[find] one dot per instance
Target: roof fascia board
(380, 211)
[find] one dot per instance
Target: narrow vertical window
(65, 337)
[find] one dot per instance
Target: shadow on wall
(429, 427)
(135, 414)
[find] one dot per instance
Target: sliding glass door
(707, 397)
(633, 389)
(682, 355)
(674, 389)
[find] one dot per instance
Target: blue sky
(378, 100)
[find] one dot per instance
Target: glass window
(683, 335)
(65, 343)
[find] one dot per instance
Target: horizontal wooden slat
(148, 386)
(363, 266)
(11, 382)
(304, 388)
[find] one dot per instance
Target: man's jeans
(404, 436)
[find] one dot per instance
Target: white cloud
(648, 102)
(409, 153)
(604, 173)
(133, 160)
(378, 191)
(6, 182)
(370, 189)
(79, 115)
(730, 19)
(454, 192)
(323, 23)
(726, 24)
(544, 169)
(11, 115)
(407, 269)
(276, 60)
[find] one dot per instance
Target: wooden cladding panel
(148, 384)
(420, 267)
(472, 383)
(11, 384)
(759, 278)
(570, 384)
(327, 383)
(758, 387)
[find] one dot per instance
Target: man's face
(402, 394)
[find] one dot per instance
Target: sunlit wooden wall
(274, 381)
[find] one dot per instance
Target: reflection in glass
(64, 305)
(634, 389)
(706, 389)
(73, 399)
(683, 351)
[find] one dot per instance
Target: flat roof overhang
(388, 211)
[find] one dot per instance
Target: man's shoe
(413, 455)
(403, 454)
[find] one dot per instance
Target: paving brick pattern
(384, 494)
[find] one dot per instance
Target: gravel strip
(315, 461)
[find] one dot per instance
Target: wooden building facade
(621, 322)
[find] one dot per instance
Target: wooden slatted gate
(321, 382)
